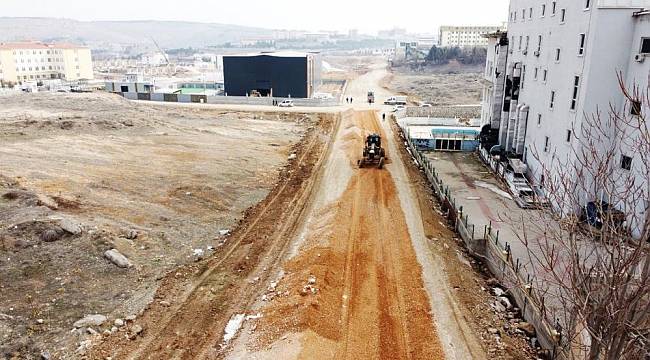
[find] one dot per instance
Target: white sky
(422, 16)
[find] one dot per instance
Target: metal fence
(484, 243)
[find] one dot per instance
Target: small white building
(155, 59)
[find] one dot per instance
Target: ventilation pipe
(520, 134)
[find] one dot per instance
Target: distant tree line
(466, 55)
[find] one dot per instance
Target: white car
(286, 103)
(425, 105)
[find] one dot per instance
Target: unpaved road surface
(365, 298)
(333, 270)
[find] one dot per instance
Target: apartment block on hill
(37, 61)
(465, 36)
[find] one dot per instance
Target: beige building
(36, 61)
(465, 36)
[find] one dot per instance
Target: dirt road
(366, 298)
(331, 266)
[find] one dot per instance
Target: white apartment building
(465, 36)
(34, 61)
(557, 64)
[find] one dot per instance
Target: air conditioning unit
(525, 52)
(536, 53)
(639, 58)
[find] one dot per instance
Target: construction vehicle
(373, 153)
(371, 97)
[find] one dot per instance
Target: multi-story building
(558, 64)
(36, 61)
(465, 36)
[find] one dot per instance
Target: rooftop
(293, 54)
(35, 45)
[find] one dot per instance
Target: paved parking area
(483, 198)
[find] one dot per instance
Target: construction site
(141, 230)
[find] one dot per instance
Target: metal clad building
(296, 75)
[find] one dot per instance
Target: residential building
(37, 61)
(465, 36)
(563, 62)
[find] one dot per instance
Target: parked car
(425, 105)
(396, 100)
(286, 103)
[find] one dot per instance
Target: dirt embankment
(81, 174)
(187, 318)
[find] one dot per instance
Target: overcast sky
(365, 15)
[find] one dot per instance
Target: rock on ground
(117, 258)
(91, 320)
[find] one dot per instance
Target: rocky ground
(452, 84)
(101, 197)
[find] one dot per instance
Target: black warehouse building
(277, 74)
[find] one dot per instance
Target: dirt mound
(32, 233)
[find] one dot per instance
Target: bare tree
(590, 250)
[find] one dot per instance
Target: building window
(562, 16)
(557, 55)
(645, 46)
(521, 38)
(543, 10)
(569, 134)
(523, 14)
(535, 73)
(581, 44)
(626, 162)
(539, 44)
(527, 43)
(544, 75)
(553, 7)
(636, 108)
(547, 144)
(576, 85)
(530, 13)
(552, 100)
(539, 120)
(587, 4)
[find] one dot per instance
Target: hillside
(105, 34)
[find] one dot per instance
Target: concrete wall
(8, 66)
(225, 100)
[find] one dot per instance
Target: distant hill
(103, 34)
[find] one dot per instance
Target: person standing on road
(383, 117)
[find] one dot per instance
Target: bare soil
(155, 183)
(452, 84)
